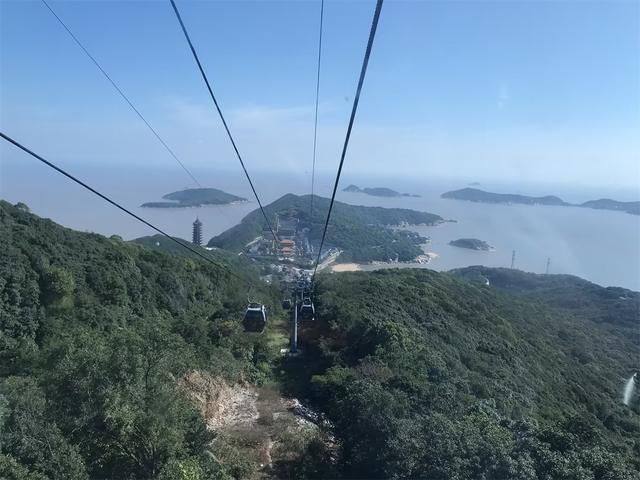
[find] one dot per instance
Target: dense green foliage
(195, 197)
(163, 244)
(359, 231)
(422, 374)
(428, 376)
(94, 335)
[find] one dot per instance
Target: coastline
(200, 205)
(346, 267)
(418, 262)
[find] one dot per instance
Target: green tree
(58, 285)
(29, 435)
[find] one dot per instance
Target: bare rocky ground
(257, 423)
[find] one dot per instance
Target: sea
(598, 245)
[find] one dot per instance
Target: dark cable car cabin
(307, 310)
(286, 304)
(255, 318)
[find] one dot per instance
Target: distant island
(476, 195)
(608, 204)
(472, 244)
(195, 197)
(377, 191)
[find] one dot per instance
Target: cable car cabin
(307, 310)
(255, 318)
(286, 303)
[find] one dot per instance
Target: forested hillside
(95, 334)
(419, 374)
(427, 376)
(612, 307)
(359, 231)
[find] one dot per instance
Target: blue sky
(546, 90)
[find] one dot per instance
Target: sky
(547, 91)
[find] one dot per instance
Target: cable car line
(114, 203)
(122, 94)
(363, 71)
(315, 126)
(224, 122)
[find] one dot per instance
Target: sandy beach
(356, 267)
(346, 267)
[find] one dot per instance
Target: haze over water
(598, 245)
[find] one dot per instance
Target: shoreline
(171, 207)
(418, 262)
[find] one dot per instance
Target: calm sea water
(600, 246)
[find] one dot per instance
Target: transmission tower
(548, 264)
(513, 259)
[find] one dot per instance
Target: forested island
(377, 191)
(364, 234)
(195, 197)
(472, 244)
(476, 195)
(119, 361)
(608, 204)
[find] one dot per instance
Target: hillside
(126, 362)
(359, 231)
(427, 376)
(95, 337)
(615, 306)
(195, 197)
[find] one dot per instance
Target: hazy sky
(545, 90)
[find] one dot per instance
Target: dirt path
(256, 422)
